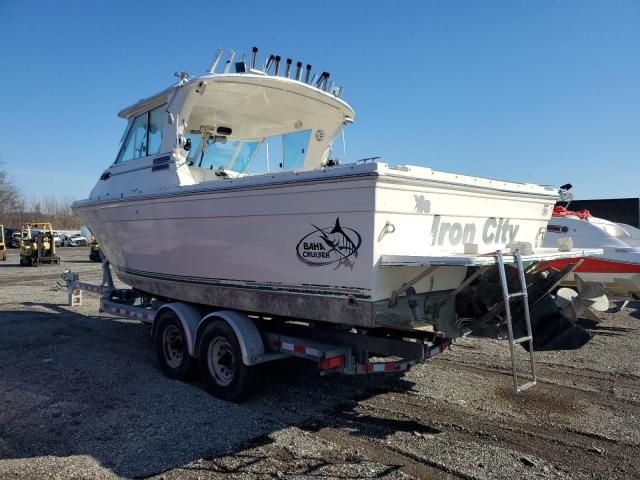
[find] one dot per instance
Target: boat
(226, 192)
(618, 268)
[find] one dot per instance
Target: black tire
(223, 372)
(172, 349)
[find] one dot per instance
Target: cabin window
(156, 123)
(194, 151)
(135, 145)
(228, 154)
(217, 154)
(294, 149)
(144, 135)
(246, 152)
(279, 152)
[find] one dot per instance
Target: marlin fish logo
(325, 246)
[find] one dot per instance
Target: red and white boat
(618, 268)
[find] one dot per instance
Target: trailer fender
(248, 335)
(189, 318)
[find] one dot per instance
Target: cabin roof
(283, 83)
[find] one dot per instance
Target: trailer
(227, 345)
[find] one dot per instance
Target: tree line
(15, 210)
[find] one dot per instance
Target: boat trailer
(228, 342)
(185, 337)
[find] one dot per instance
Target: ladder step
(526, 386)
(506, 305)
(517, 294)
(522, 339)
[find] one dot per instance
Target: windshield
(288, 152)
(228, 154)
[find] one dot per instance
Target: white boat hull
(618, 268)
(260, 248)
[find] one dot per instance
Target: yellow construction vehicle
(37, 245)
(3, 247)
(94, 251)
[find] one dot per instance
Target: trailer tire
(223, 372)
(172, 350)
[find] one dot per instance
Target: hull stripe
(596, 265)
(320, 290)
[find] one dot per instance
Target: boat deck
(465, 260)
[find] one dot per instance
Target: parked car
(73, 240)
(14, 240)
(56, 239)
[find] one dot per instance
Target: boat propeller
(589, 298)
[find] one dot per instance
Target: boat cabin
(226, 126)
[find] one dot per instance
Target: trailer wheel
(223, 371)
(172, 350)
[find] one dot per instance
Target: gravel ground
(81, 397)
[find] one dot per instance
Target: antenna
(298, 70)
(288, 70)
(216, 59)
(277, 65)
(307, 73)
(322, 81)
(227, 66)
(268, 62)
(254, 53)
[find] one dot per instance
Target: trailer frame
(335, 349)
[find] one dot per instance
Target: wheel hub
(173, 345)
(221, 361)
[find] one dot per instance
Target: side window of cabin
(145, 135)
(135, 145)
(157, 118)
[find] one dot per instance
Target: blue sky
(538, 91)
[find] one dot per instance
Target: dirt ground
(81, 397)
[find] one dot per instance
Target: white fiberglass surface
(263, 107)
(594, 232)
(633, 233)
(608, 227)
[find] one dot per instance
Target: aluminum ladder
(506, 296)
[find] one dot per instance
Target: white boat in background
(225, 192)
(618, 268)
